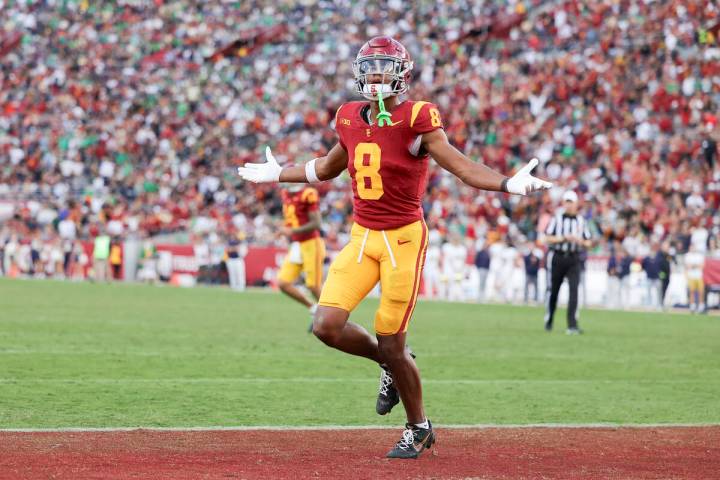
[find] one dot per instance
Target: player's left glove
(261, 172)
(523, 183)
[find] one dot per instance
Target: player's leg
(573, 276)
(557, 274)
(400, 272)
(289, 273)
(691, 295)
(348, 282)
(332, 327)
(405, 374)
(701, 295)
(313, 255)
(664, 284)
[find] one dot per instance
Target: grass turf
(86, 355)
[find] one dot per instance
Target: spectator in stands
(133, 136)
(531, 262)
(624, 268)
(80, 262)
(713, 248)
(664, 262)
(582, 288)
(237, 250)
(116, 258)
(651, 264)
(614, 295)
(482, 264)
(148, 262)
(101, 253)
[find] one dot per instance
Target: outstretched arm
(313, 224)
(476, 174)
(323, 168)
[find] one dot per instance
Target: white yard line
(444, 381)
(355, 427)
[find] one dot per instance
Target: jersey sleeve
(425, 117)
(339, 127)
(311, 198)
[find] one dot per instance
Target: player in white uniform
(454, 265)
(694, 263)
(431, 272)
(497, 272)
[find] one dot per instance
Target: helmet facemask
(394, 71)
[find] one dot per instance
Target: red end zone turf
(502, 453)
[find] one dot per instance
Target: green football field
(86, 355)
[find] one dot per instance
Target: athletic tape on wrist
(310, 173)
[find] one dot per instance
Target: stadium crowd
(128, 118)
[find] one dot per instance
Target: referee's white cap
(570, 196)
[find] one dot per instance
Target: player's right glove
(261, 172)
(523, 183)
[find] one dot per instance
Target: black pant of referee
(563, 265)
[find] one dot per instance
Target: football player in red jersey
(388, 164)
(307, 249)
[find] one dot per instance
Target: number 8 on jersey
(367, 171)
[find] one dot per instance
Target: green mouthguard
(383, 117)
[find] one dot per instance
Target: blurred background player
(694, 263)
(385, 145)
(431, 273)
(454, 261)
(306, 253)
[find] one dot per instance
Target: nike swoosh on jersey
(403, 242)
(397, 123)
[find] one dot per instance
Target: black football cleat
(413, 442)
(388, 395)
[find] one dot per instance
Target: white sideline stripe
(322, 428)
(431, 381)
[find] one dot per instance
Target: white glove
(523, 183)
(261, 172)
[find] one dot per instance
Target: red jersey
(296, 210)
(388, 171)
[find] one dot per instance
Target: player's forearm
(319, 169)
(553, 239)
(308, 227)
(480, 176)
(451, 159)
(294, 174)
(298, 174)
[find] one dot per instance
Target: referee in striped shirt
(568, 236)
